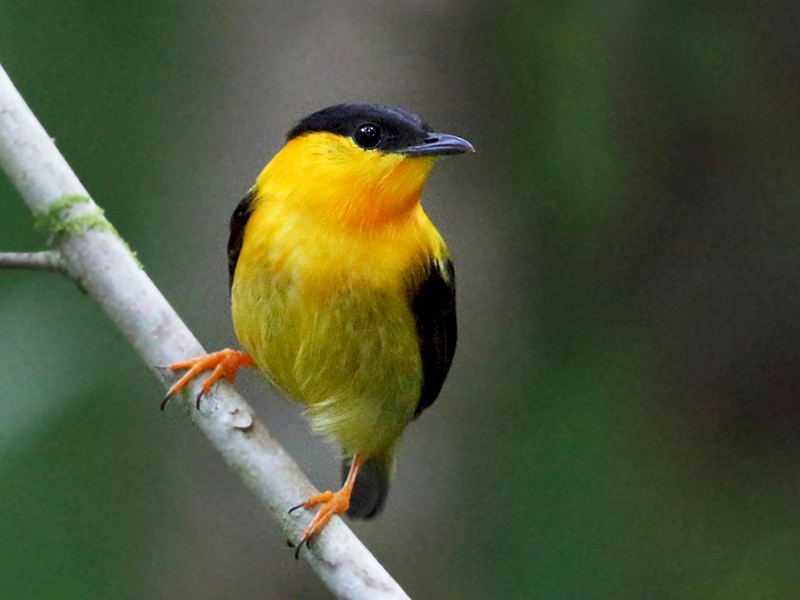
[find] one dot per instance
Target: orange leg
(333, 503)
(224, 363)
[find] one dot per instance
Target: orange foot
(225, 364)
(333, 503)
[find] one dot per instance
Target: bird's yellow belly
(346, 349)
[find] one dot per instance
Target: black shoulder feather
(238, 221)
(434, 308)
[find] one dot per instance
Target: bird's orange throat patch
(360, 189)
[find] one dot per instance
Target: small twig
(47, 260)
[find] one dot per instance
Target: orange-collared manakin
(342, 290)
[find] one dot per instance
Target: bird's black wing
(238, 221)
(434, 309)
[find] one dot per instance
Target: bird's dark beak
(439, 144)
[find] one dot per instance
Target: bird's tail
(371, 487)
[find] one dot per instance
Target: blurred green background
(622, 419)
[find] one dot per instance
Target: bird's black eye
(368, 136)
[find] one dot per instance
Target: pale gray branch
(103, 265)
(47, 260)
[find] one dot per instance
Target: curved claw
(300, 547)
(164, 401)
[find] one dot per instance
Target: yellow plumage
(320, 297)
(342, 291)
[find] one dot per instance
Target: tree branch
(39, 261)
(100, 262)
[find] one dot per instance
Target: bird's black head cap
(372, 126)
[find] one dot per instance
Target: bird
(343, 291)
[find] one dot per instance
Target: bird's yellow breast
(321, 301)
